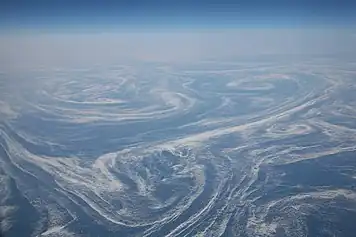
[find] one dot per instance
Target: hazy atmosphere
(164, 45)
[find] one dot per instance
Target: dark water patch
(332, 219)
(21, 225)
(327, 172)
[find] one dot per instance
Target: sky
(174, 13)
(35, 33)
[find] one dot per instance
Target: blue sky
(173, 13)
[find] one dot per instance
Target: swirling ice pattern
(210, 149)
